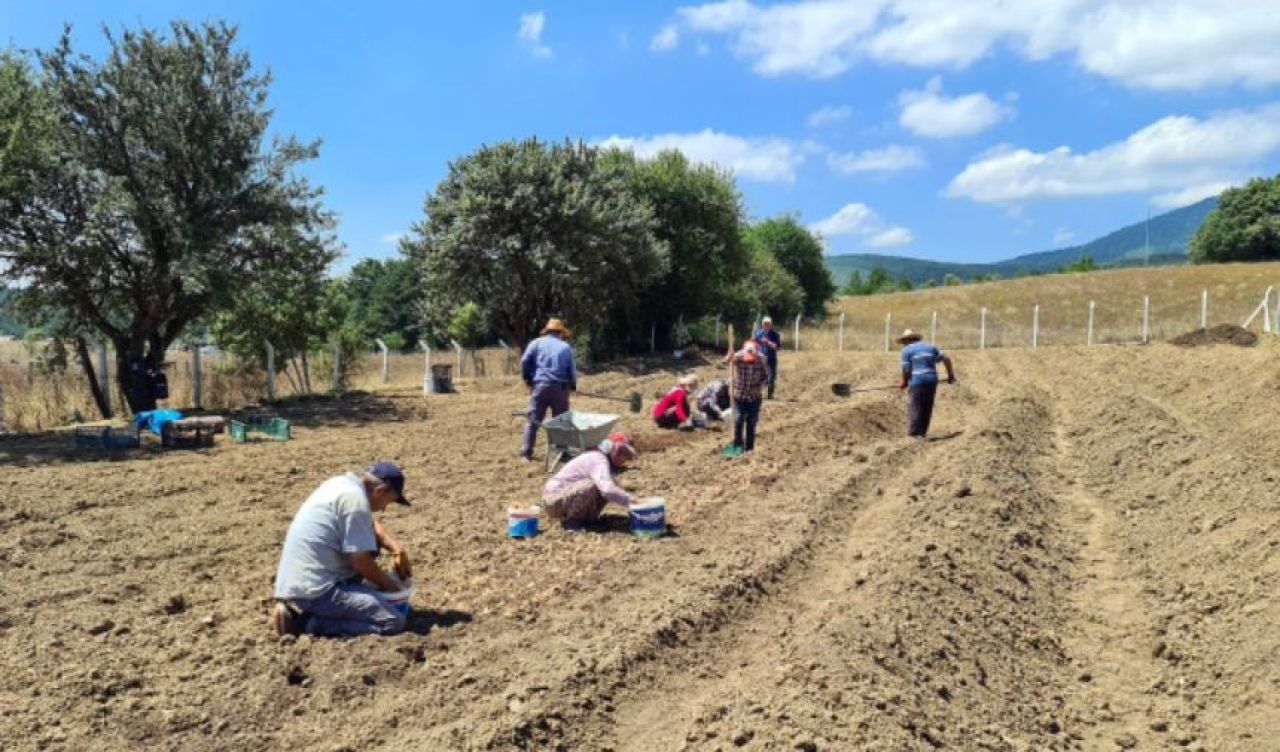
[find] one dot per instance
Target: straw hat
(909, 335)
(556, 325)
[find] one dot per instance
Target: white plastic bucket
(649, 518)
(399, 599)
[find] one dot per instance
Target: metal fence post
(933, 328)
(1204, 309)
(842, 331)
(1266, 311)
(797, 345)
(1089, 340)
(982, 330)
(428, 383)
(271, 370)
(383, 347)
(1035, 327)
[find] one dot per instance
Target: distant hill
(1170, 234)
(8, 325)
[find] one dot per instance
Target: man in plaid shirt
(750, 374)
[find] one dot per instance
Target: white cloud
(1155, 44)
(769, 160)
(891, 237)
(666, 39)
(1188, 196)
(928, 113)
(703, 49)
(829, 115)
(391, 238)
(530, 34)
(1062, 235)
(860, 220)
(1169, 155)
(888, 159)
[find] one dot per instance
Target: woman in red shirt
(672, 411)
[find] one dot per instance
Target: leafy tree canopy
(147, 196)
(1245, 226)
(800, 253)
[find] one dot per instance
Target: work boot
(286, 621)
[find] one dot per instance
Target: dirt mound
(1222, 334)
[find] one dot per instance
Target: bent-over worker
(713, 399)
(329, 581)
(919, 377)
(549, 371)
(673, 411)
(579, 492)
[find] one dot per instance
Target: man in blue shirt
(548, 369)
(920, 379)
(769, 342)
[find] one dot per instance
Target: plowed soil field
(1084, 556)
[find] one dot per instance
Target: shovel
(844, 390)
(633, 401)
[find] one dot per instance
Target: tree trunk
(135, 382)
(95, 386)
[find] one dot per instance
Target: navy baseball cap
(390, 474)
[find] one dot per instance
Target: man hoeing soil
(919, 378)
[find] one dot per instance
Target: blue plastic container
(522, 523)
(649, 518)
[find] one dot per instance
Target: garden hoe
(633, 401)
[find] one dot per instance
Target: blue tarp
(154, 420)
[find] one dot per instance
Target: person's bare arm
(399, 556)
(367, 567)
(951, 373)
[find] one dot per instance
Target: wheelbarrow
(572, 433)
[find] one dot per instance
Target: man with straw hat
(919, 377)
(548, 369)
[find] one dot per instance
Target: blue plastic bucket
(399, 600)
(522, 523)
(649, 518)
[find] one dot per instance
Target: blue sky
(960, 131)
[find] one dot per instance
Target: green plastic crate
(275, 429)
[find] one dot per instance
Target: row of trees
(616, 244)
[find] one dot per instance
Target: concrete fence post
(1089, 339)
(1146, 319)
(1276, 329)
(196, 376)
(1204, 309)
(383, 347)
(461, 353)
(336, 384)
(271, 370)
(506, 356)
(933, 328)
(1035, 327)
(982, 330)
(888, 324)
(841, 338)
(797, 327)
(428, 383)
(1266, 311)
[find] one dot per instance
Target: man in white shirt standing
(329, 582)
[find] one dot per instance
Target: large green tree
(530, 229)
(699, 217)
(157, 196)
(800, 253)
(386, 300)
(1245, 226)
